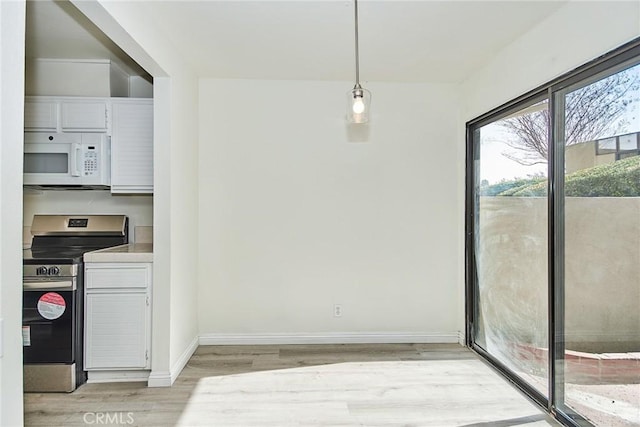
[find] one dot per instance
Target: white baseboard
(112, 376)
(159, 379)
(329, 338)
(183, 359)
(166, 378)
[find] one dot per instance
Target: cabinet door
(41, 116)
(84, 116)
(116, 331)
(132, 146)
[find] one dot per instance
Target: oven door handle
(46, 285)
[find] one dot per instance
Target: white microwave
(75, 159)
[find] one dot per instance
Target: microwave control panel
(90, 161)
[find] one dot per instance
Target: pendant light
(358, 99)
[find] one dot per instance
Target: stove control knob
(42, 271)
(54, 271)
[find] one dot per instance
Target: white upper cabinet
(129, 121)
(40, 116)
(66, 114)
(83, 115)
(132, 145)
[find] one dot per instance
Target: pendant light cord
(355, 3)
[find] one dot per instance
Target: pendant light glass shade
(358, 105)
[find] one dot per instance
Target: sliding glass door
(511, 242)
(553, 242)
(599, 132)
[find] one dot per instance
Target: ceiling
(402, 41)
(57, 30)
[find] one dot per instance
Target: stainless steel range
(53, 295)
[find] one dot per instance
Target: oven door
(49, 324)
(52, 159)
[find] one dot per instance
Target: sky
(494, 166)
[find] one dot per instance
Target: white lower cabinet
(117, 333)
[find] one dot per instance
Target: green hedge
(618, 179)
(506, 188)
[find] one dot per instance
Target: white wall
(118, 81)
(139, 87)
(296, 218)
(74, 77)
(575, 34)
(139, 208)
(184, 217)
(175, 209)
(12, 31)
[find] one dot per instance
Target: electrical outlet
(337, 310)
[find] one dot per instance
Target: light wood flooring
(304, 385)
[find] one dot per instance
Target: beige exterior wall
(583, 156)
(580, 156)
(602, 266)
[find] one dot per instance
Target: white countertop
(133, 252)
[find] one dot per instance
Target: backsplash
(139, 208)
(26, 237)
(143, 234)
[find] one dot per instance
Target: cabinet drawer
(117, 276)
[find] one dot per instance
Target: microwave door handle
(76, 150)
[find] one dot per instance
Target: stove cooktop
(56, 255)
(53, 256)
(64, 239)
(65, 249)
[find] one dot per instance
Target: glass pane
(511, 242)
(602, 253)
(628, 142)
(46, 163)
(607, 145)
